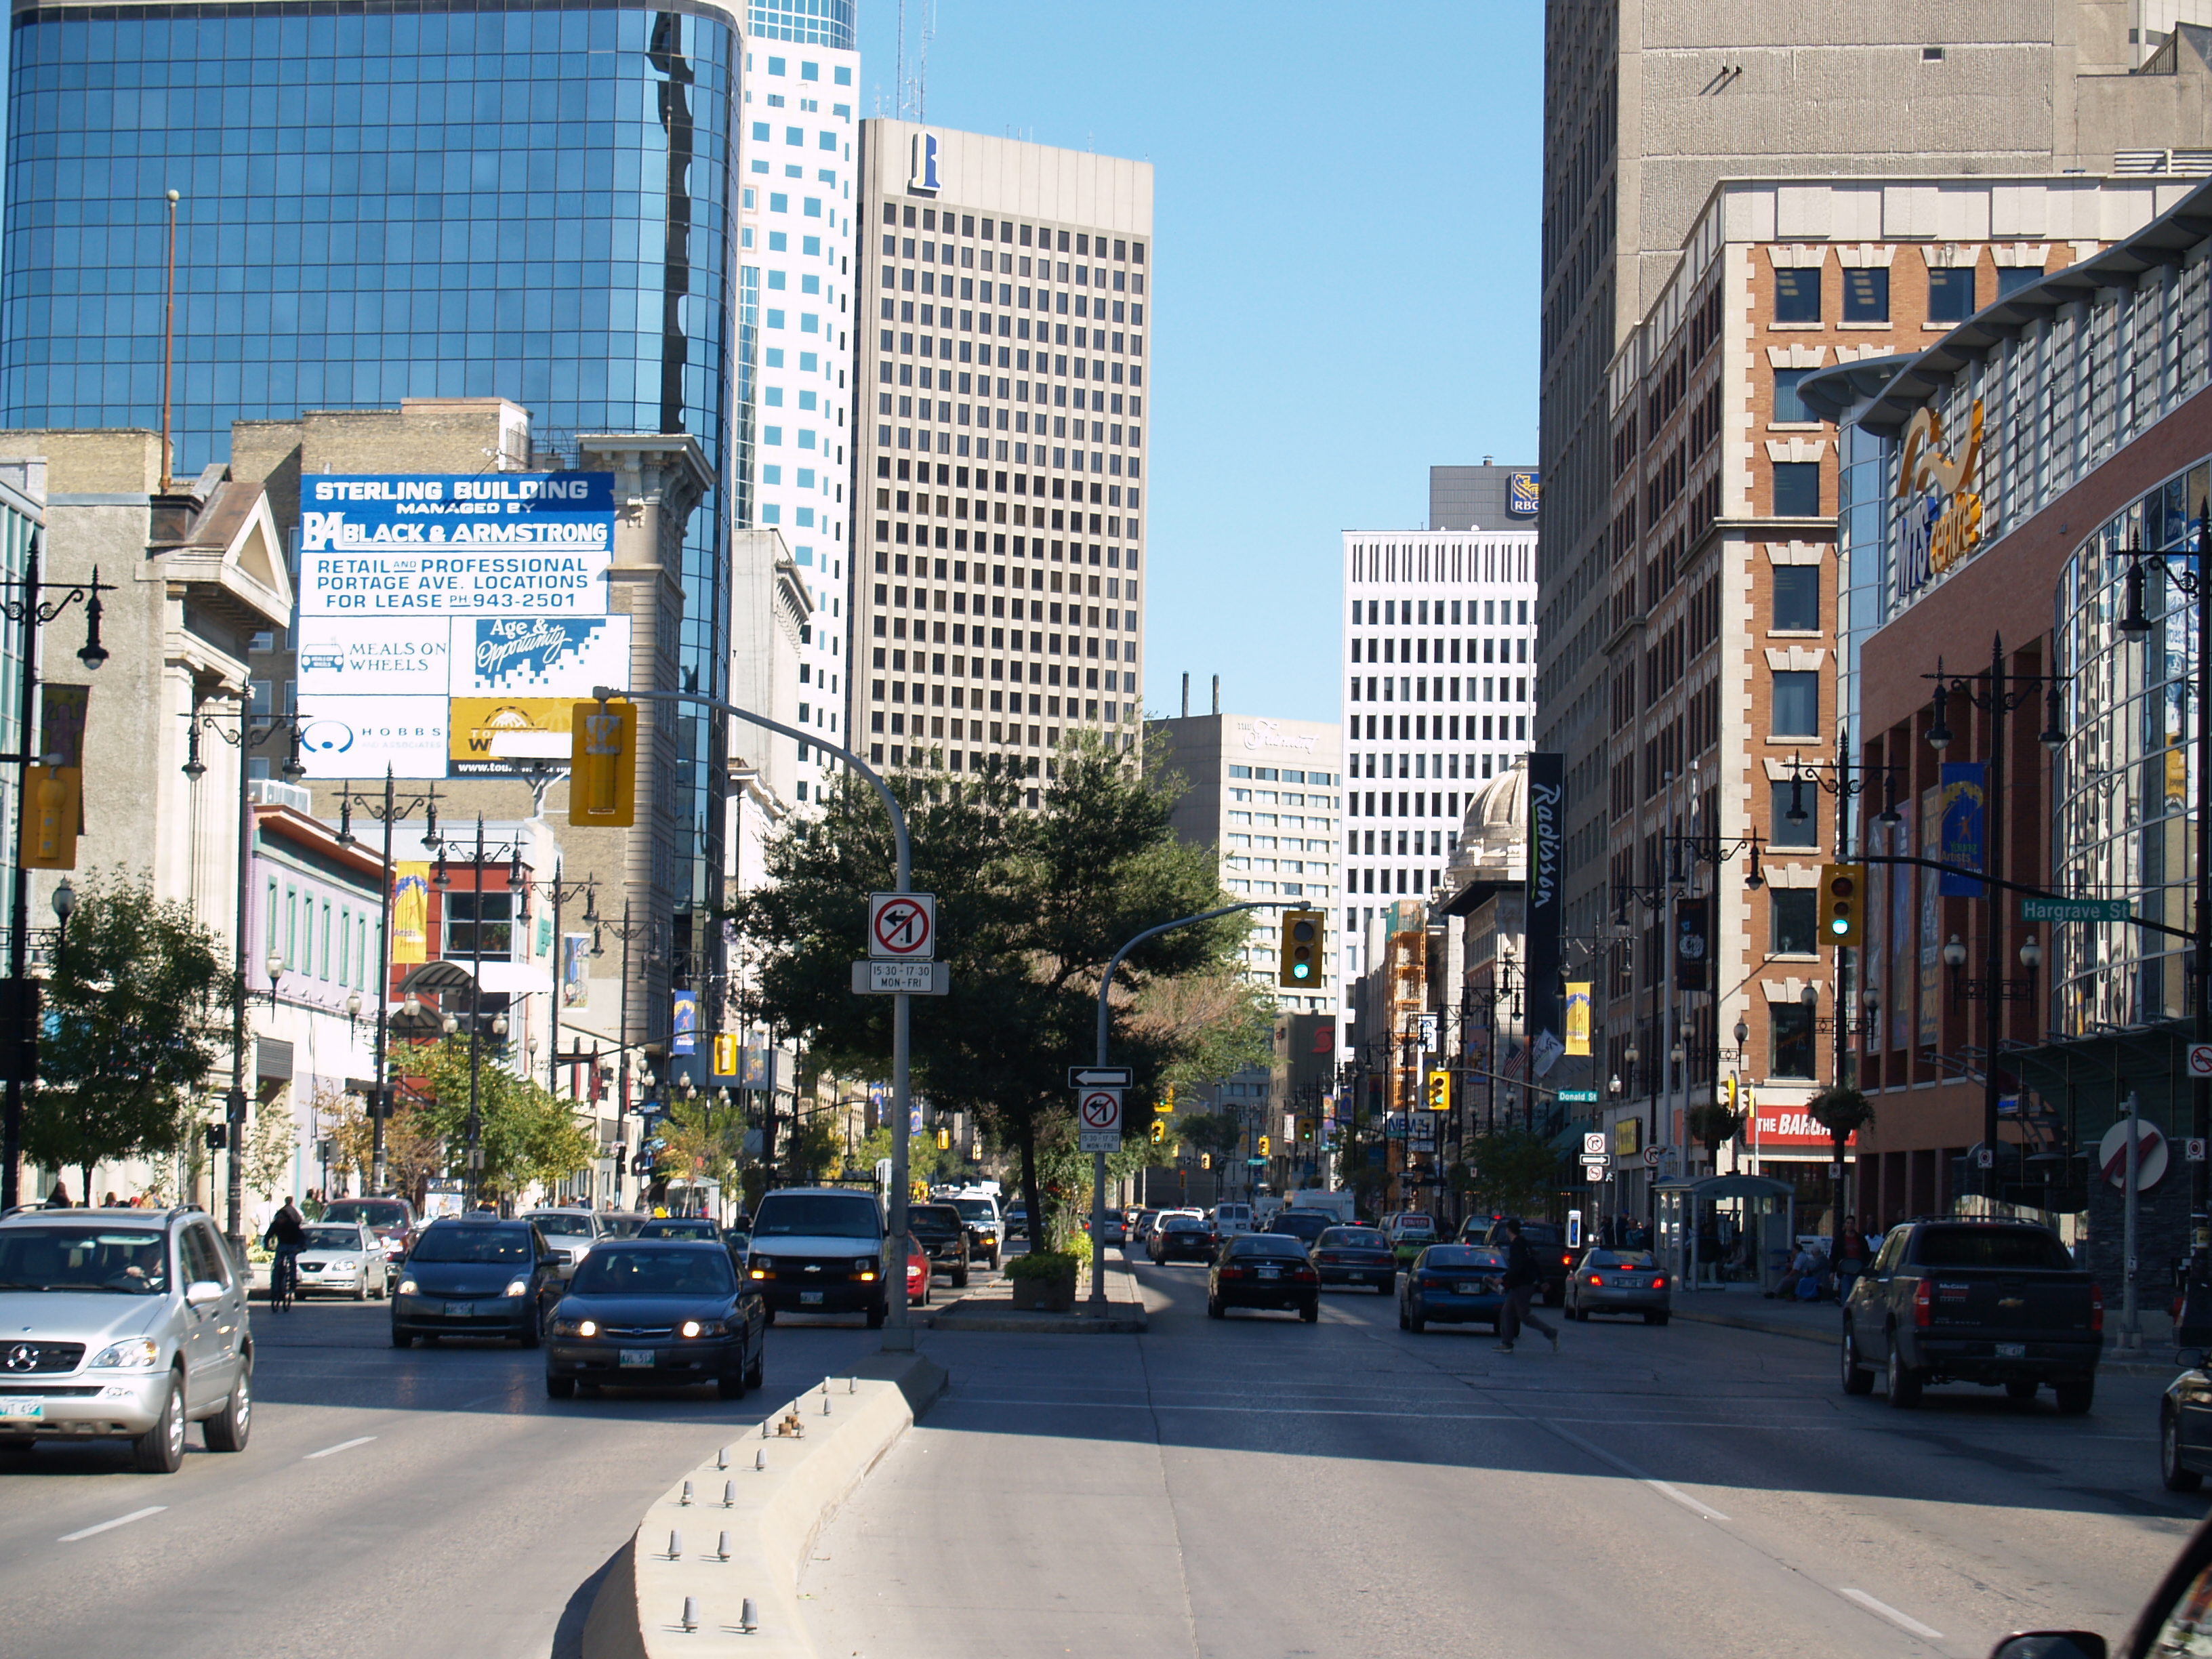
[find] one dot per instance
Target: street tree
(525, 1135)
(136, 1017)
(1031, 903)
(1514, 1171)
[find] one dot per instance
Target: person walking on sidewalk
(1520, 1281)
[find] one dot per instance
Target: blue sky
(1346, 222)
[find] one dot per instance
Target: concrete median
(692, 1568)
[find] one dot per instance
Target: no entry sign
(902, 927)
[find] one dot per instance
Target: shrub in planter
(1043, 1279)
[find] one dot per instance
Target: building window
(1791, 1024)
(1788, 405)
(1796, 922)
(1797, 296)
(2013, 278)
(461, 914)
(1783, 833)
(1951, 296)
(1797, 704)
(1866, 295)
(1797, 598)
(1797, 490)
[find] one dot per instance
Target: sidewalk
(990, 1307)
(1746, 1310)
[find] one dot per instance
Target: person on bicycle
(287, 1233)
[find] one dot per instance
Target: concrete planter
(1044, 1294)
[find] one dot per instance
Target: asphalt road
(430, 1501)
(1260, 1488)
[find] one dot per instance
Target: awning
(511, 978)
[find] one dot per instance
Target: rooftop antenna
(898, 78)
(1185, 693)
(921, 82)
(1216, 694)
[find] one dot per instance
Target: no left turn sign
(1100, 1110)
(902, 927)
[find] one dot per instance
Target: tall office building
(1485, 497)
(1004, 288)
(802, 144)
(1647, 106)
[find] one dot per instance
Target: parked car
(1607, 1281)
(342, 1258)
(819, 1249)
(1262, 1270)
(944, 1239)
(1016, 1222)
(1987, 1301)
(476, 1274)
(572, 1233)
(1355, 1255)
(394, 1221)
(979, 1214)
(1453, 1284)
(1180, 1238)
(1116, 1230)
(663, 1311)
(1546, 1242)
(1304, 1225)
(917, 1272)
(129, 1323)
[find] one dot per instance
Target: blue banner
(684, 1026)
(1960, 828)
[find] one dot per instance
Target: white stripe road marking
(1634, 1474)
(1883, 1610)
(342, 1445)
(109, 1526)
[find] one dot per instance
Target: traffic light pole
(898, 1334)
(1105, 1026)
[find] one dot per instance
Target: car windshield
(1990, 1247)
(627, 1270)
(1299, 1223)
(1269, 1245)
(1541, 1234)
(1448, 1257)
(675, 1229)
(460, 1241)
(331, 1238)
(817, 1215)
(975, 1209)
(368, 1211)
(1639, 1260)
(940, 1219)
(1182, 1223)
(569, 1223)
(131, 1261)
(1354, 1239)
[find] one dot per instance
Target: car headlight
(703, 1328)
(760, 1264)
(862, 1263)
(519, 1286)
(406, 1287)
(138, 1354)
(575, 1328)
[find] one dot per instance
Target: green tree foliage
(1713, 1126)
(1515, 1172)
(1031, 904)
(135, 1014)
(1204, 1132)
(527, 1136)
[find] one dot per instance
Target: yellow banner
(410, 913)
(1628, 1137)
(1579, 1018)
(476, 722)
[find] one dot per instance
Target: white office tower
(1438, 695)
(1002, 358)
(799, 211)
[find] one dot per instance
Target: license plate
(810, 1298)
(461, 1310)
(1466, 1290)
(22, 1408)
(1626, 1284)
(1270, 1273)
(637, 1357)
(2012, 1350)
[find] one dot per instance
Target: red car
(917, 1274)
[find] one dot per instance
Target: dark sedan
(1181, 1238)
(697, 1226)
(944, 1238)
(1263, 1270)
(476, 1275)
(1356, 1255)
(657, 1313)
(1453, 1284)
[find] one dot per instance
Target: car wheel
(1655, 1319)
(730, 1388)
(2021, 1390)
(1857, 1378)
(768, 1313)
(228, 1429)
(960, 1280)
(17, 1446)
(876, 1318)
(2171, 1473)
(1311, 1312)
(361, 1289)
(1214, 1309)
(755, 1367)
(1903, 1386)
(560, 1388)
(2074, 1395)
(401, 1339)
(531, 1334)
(1404, 1324)
(160, 1449)
(1414, 1322)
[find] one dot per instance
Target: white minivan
(1232, 1219)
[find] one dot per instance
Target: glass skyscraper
(535, 202)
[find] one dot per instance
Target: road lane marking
(110, 1526)
(342, 1445)
(1883, 1610)
(1634, 1474)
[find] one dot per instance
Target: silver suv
(129, 1323)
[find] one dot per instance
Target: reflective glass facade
(807, 22)
(533, 202)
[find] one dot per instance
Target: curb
(1118, 1324)
(771, 1522)
(1834, 1338)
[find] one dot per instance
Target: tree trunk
(85, 1190)
(1032, 1195)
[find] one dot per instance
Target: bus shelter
(1710, 1223)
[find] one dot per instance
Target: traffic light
(602, 765)
(944, 1140)
(1305, 1131)
(1263, 1145)
(1159, 1132)
(1843, 902)
(1728, 1091)
(1298, 963)
(1440, 1091)
(55, 808)
(1206, 1160)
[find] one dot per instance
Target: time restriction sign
(902, 927)
(1098, 1120)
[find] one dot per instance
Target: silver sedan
(1619, 1281)
(342, 1258)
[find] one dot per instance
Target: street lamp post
(629, 933)
(394, 811)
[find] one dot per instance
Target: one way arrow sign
(1098, 1077)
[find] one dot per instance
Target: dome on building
(1493, 840)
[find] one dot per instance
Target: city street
(1262, 1488)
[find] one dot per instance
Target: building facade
(990, 502)
(1485, 497)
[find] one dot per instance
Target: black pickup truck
(944, 1238)
(1972, 1301)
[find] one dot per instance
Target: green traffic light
(1839, 924)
